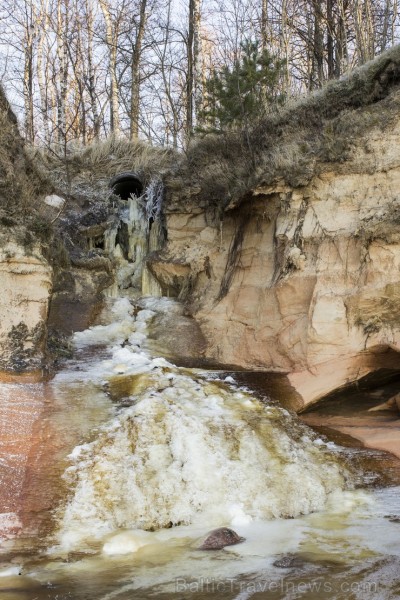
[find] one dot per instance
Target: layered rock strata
(25, 284)
(304, 279)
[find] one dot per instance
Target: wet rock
(393, 518)
(306, 561)
(289, 561)
(219, 538)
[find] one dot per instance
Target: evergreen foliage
(241, 94)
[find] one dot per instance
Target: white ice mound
(193, 451)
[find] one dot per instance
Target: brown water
(350, 548)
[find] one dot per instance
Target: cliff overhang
(292, 257)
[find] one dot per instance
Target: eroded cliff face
(303, 280)
(25, 284)
(51, 280)
(25, 274)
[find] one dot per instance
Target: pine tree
(239, 95)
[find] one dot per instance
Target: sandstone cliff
(283, 241)
(49, 280)
(296, 268)
(25, 274)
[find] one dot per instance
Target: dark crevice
(122, 239)
(99, 242)
(234, 255)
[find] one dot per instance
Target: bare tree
(135, 71)
(79, 69)
(90, 79)
(112, 33)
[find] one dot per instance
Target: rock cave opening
(126, 185)
(366, 410)
(369, 394)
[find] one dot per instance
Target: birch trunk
(189, 77)
(62, 55)
(28, 89)
(135, 84)
(111, 40)
(285, 45)
(91, 80)
(44, 104)
(167, 82)
(28, 72)
(197, 61)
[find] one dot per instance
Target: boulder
(219, 538)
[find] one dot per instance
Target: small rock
(393, 518)
(219, 538)
(289, 561)
(55, 201)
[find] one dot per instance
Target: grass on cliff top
(217, 170)
(88, 169)
(291, 141)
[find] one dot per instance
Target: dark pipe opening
(125, 185)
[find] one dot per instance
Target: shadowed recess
(365, 393)
(125, 185)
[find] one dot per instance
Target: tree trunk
(371, 30)
(364, 31)
(341, 61)
(29, 31)
(264, 24)
(189, 76)
(91, 81)
(197, 61)
(111, 40)
(62, 55)
(44, 104)
(318, 51)
(394, 21)
(78, 121)
(167, 83)
(135, 83)
(285, 45)
(28, 87)
(329, 42)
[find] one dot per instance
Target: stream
(133, 460)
